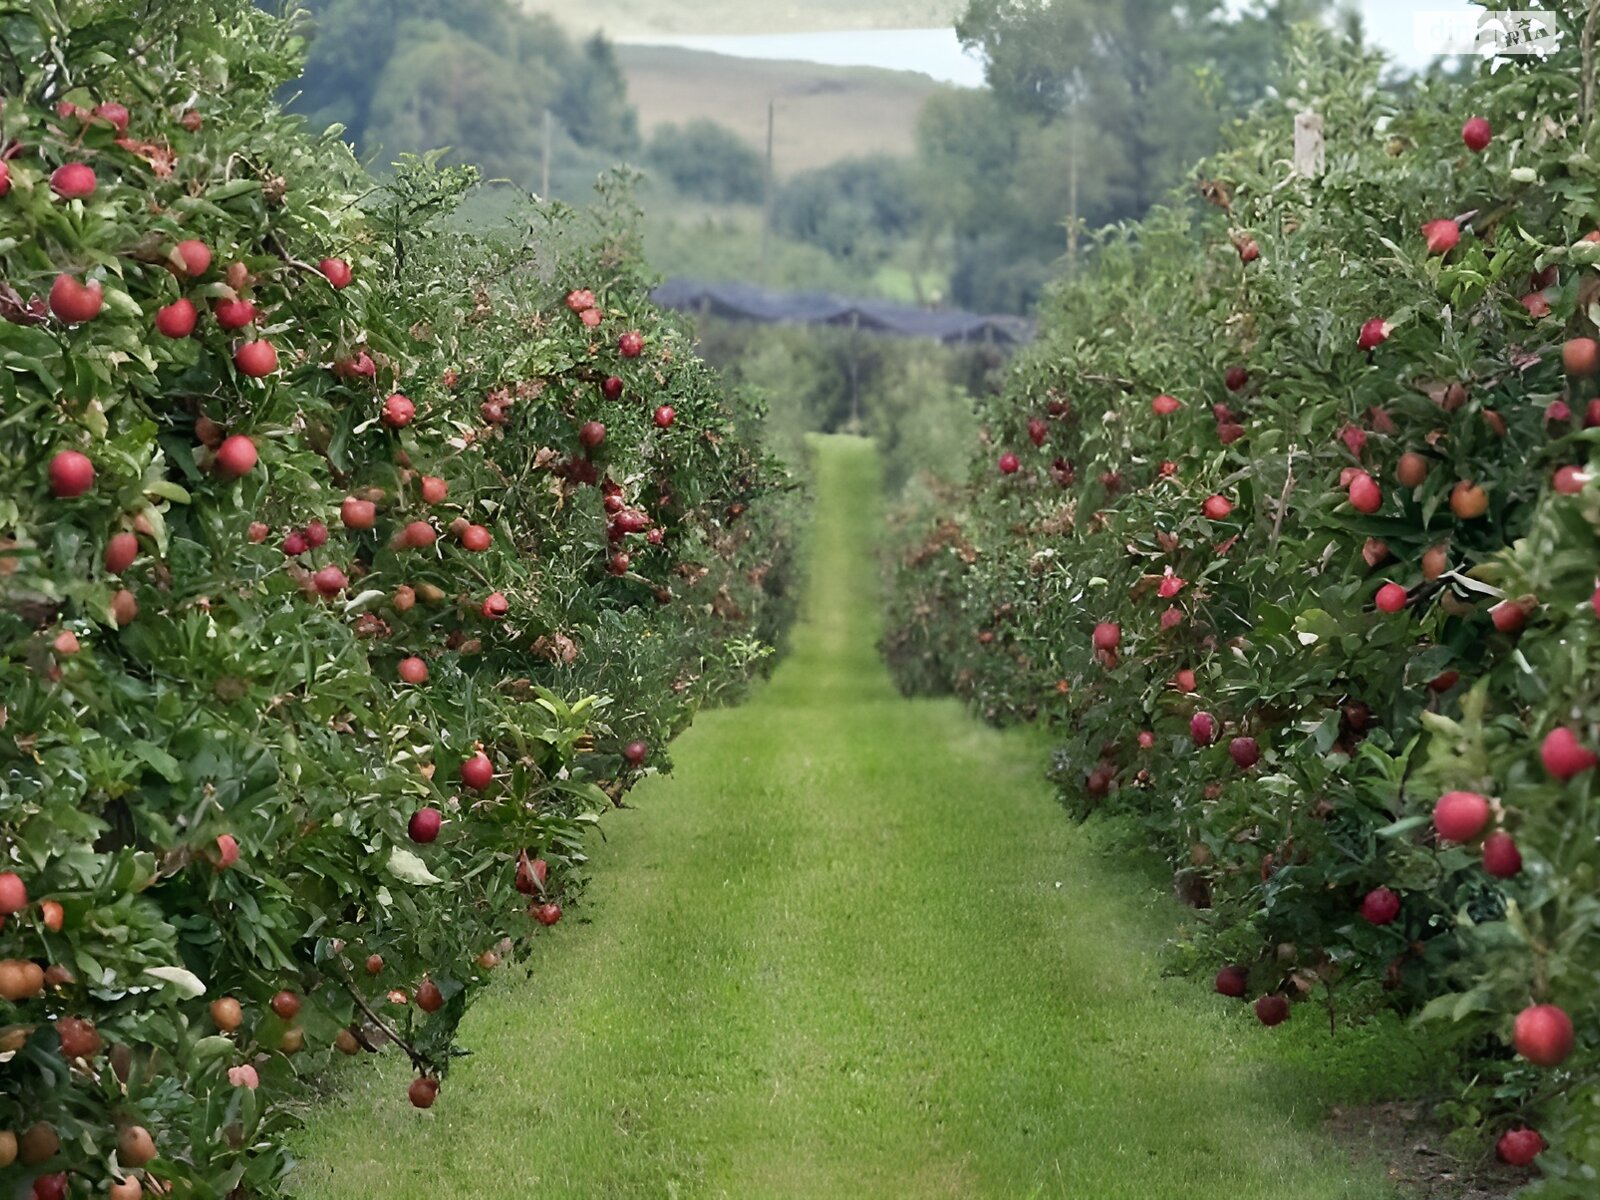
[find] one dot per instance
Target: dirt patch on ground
(1412, 1145)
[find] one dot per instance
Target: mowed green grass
(852, 948)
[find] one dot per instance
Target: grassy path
(851, 949)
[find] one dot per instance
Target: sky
(936, 52)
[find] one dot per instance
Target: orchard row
(357, 557)
(1289, 527)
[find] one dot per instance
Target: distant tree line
(474, 75)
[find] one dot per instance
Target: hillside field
(824, 113)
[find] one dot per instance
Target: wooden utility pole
(1072, 194)
(769, 201)
(544, 176)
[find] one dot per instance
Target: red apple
(547, 914)
(665, 416)
(76, 302)
(1217, 508)
(423, 1092)
(1501, 858)
(398, 411)
(1564, 756)
(1232, 981)
(1374, 332)
(233, 314)
(1009, 464)
(1581, 357)
(227, 851)
(1509, 616)
(424, 825)
(630, 345)
(636, 752)
(1460, 816)
(580, 300)
(429, 998)
(1203, 729)
(1365, 494)
(434, 489)
(1272, 1010)
(1442, 236)
(1245, 752)
(176, 320)
(1165, 405)
(1519, 1147)
(256, 359)
(413, 670)
(74, 181)
(611, 389)
(336, 271)
(591, 434)
(358, 514)
(71, 474)
(114, 115)
(1380, 906)
(418, 535)
(477, 772)
(330, 581)
(195, 256)
(1543, 1035)
(1391, 598)
(495, 606)
(1038, 432)
(1476, 133)
(121, 550)
(13, 893)
(1107, 636)
(236, 456)
(1235, 378)
(286, 1005)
